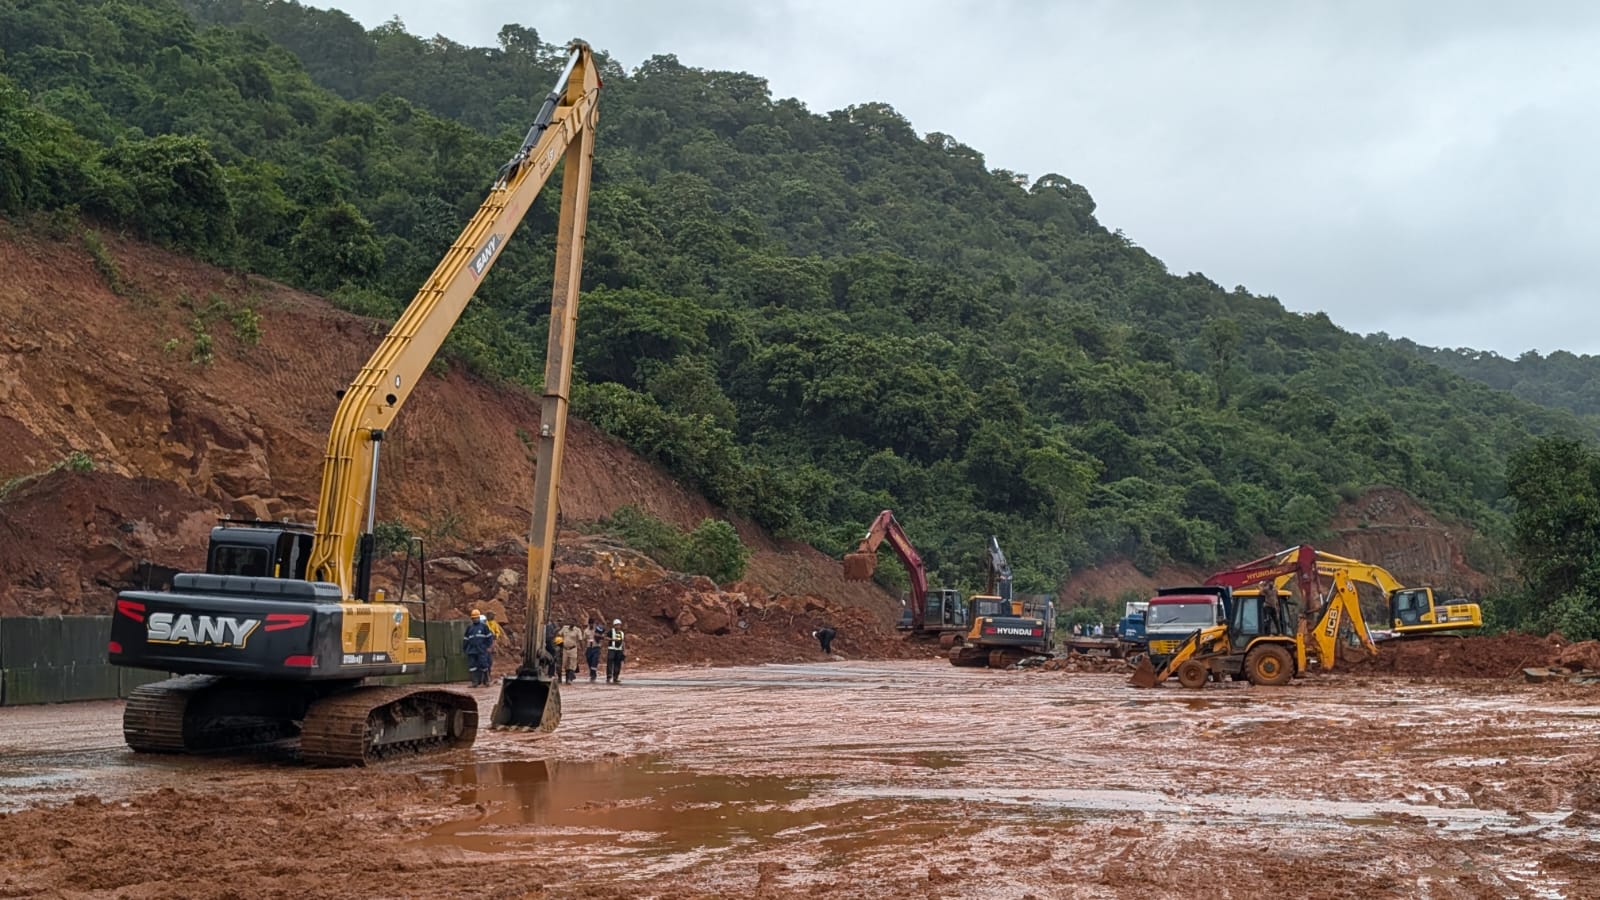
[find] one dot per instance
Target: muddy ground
(884, 779)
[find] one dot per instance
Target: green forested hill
(811, 316)
(1559, 379)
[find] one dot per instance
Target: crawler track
(372, 723)
(153, 720)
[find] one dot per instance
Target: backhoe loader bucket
(1144, 674)
(859, 566)
(528, 700)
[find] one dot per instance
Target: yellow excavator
(1258, 641)
(282, 635)
(1411, 611)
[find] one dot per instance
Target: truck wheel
(1193, 674)
(1269, 665)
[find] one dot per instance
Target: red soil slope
(176, 443)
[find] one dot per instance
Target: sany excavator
(934, 614)
(1251, 634)
(1411, 611)
(1003, 629)
(283, 634)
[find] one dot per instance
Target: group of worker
(571, 643)
(566, 645)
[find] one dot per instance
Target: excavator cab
(259, 549)
(944, 612)
(1416, 611)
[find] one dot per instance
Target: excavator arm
(999, 572)
(1343, 606)
(860, 562)
(1329, 565)
(564, 129)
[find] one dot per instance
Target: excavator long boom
(531, 698)
(859, 563)
(341, 550)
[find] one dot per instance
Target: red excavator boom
(859, 563)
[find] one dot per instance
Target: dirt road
(898, 779)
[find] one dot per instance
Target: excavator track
(367, 724)
(206, 713)
(152, 722)
(968, 656)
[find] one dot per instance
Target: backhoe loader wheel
(1193, 674)
(1270, 665)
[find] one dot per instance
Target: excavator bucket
(859, 566)
(528, 700)
(1144, 674)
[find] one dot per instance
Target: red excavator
(937, 614)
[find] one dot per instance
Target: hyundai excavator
(1004, 630)
(1411, 611)
(935, 614)
(283, 634)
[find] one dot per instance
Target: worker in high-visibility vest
(614, 654)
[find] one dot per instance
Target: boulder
(456, 564)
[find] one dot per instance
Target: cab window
(234, 560)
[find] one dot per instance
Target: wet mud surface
(884, 779)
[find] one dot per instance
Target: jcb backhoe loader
(1259, 639)
(282, 634)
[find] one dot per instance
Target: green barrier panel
(32, 685)
(22, 643)
(90, 681)
(60, 684)
(85, 637)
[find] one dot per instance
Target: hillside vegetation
(809, 316)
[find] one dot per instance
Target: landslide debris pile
(1498, 656)
(670, 618)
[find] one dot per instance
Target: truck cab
(1130, 629)
(1175, 613)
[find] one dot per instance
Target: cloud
(1420, 168)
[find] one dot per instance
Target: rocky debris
(670, 617)
(1442, 656)
(1578, 664)
(1545, 673)
(1083, 662)
(455, 564)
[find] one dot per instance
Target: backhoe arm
(1343, 606)
(859, 563)
(349, 489)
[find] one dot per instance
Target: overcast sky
(1426, 169)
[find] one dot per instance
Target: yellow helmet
(476, 614)
(559, 641)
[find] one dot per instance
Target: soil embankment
(131, 420)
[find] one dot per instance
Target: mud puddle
(636, 805)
